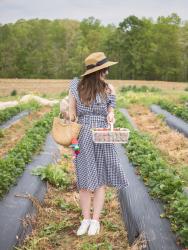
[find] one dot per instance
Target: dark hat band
(91, 66)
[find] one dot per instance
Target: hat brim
(105, 65)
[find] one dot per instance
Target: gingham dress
(97, 164)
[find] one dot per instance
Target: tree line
(145, 49)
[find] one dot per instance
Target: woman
(92, 101)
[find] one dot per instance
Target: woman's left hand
(110, 117)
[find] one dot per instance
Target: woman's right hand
(72, 118)
(111, 117)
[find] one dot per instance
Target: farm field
(52, 88)
(57, 219)
(40, 58)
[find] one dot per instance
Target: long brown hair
(90, 85)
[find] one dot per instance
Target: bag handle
(76, 117)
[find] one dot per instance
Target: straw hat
(96, 61)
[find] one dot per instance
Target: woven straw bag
(63, 132)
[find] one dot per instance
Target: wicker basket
(110, 135)
(63, 132)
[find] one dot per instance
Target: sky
(107, 11)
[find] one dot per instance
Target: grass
(147, 98)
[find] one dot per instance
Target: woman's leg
(85, 202)
(98, 202)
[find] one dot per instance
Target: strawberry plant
(143, 88)
(54, 174)
(9, 112)
(179, 110)
(161, 180)
(13, 165)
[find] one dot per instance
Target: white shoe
(94, 227)
(83, 227)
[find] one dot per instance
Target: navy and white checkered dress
(98, 163)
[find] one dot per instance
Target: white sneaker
(94, 227)
(83, 227)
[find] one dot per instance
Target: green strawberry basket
(110, 135)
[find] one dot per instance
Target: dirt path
(172, 144)
(13, 134)
(61, 206)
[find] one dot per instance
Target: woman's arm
(72, 107)
(110, 116)
(112, 89)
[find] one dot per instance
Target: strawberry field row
(9, 112)
(162, 182)
(13, 165)
(179, 110)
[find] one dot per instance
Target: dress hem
(104, 184)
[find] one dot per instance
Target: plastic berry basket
(110, 135)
